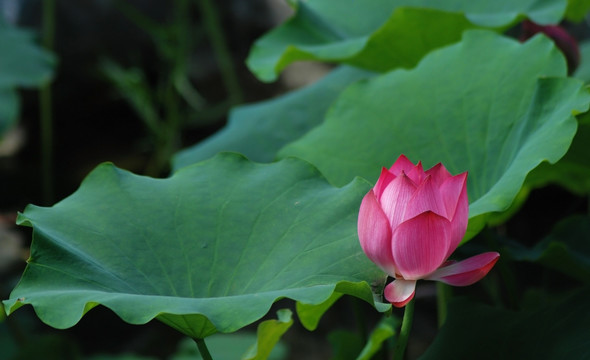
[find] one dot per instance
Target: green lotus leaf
(487, 105)
(259, 130)
(208, 249)
(384, 34)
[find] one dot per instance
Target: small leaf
(268, 335)
(310, 315)
(133, 86)
(384, 330)
(209, 249)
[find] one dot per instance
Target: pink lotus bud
(411, 222)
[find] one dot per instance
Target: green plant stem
(203, 349)
(404, 334)
(506, 278)
(46, 143)
(215, 33)
(443, 294)
(167, 136)
(185, 36)
(360, 319)
(46, 118)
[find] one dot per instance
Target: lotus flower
(411, 222)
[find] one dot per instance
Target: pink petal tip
(400, 292)
(466, 272)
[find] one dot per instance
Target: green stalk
(404, 334)
(361, 324)
(166, 135)
(46, 118)
(443, 294)
(506, 276)
(203, 349)
(171, 128)
(215, 33)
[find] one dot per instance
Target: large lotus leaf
(566, 249)
(573, 170)
(209, 249)
(384, 34)
(260, 130)
(476, 106)
(558, 330)
(22, 63)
